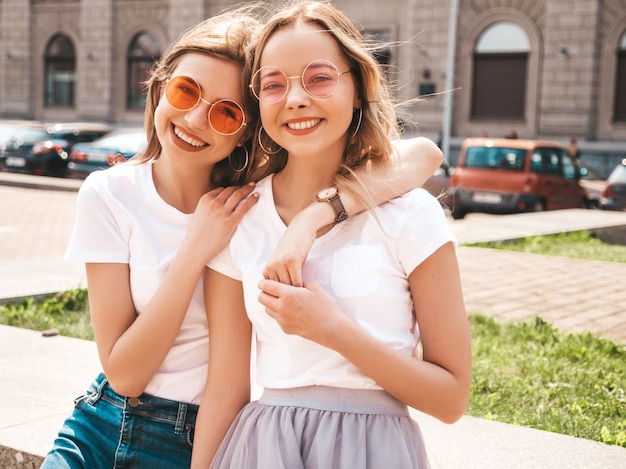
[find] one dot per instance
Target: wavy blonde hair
(378, 124)
(229, 36)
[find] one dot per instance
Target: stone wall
(571, 66)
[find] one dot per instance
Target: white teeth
(187, 139)
(303, 125)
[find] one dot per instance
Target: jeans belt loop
(181, 417)
(98, 390)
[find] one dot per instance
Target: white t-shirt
(364, 268)
(122, 219)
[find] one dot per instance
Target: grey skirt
(318, 427)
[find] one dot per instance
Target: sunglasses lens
(320, 78)
(269, 84)
(182, 93)
(226, 117)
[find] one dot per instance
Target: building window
(60, 72)
(143, 51)
(382, 52)
(620, 87)
(500, 71)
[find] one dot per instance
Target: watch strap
(337, 205)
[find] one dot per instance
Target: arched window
(60, 72)
(500, 69)
(143, 51)
(620, 83)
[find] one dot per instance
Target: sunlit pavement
(41, 376)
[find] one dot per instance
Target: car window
(125, 141)
(30, 136)
(76, 136)
(536, 162)
(569, 167)
(550, 161)
(87, 136)
(495, 157)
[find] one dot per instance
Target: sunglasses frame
(289, 78)
(211, 105)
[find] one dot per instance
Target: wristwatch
(331, 195)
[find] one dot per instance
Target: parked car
(513, 176)
(614, 194)
(594, 184)
(118, 145)
(7, 130)
(44, 150)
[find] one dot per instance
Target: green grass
(576, 244)
(537, 376)
(528, 374)
(67, 312)
(525, 374)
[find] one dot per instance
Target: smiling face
(188, 135)
(303, 124)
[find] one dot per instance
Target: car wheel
(457, 214)
(591, 203)
(540, 206)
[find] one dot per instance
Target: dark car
(512, 175)
(614, 194)
(118, 145)
(439, 184)
(44, 150)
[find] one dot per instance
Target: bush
(66, 312)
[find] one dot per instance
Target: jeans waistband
(179, 413)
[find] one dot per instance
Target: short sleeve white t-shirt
(122, 219)
(362, 263)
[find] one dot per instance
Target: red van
(512, 176)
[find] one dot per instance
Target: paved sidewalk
(41, 376)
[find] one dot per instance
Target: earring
(358, 124)
(269, 152)
(245, 163)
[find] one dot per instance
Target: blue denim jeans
(107, 430)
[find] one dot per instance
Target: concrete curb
(42, 375)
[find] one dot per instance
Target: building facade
(543, 68)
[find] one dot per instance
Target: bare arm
(438, 384)
(416, 160)
(227, 388)
(131, 347)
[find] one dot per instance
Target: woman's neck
(180, 187)
(296, 185)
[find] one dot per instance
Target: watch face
(326, 193)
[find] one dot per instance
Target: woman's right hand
(216, 217)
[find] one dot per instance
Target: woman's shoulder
(118, 173)
(415, 211)
(416, 199)
(118, 179)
